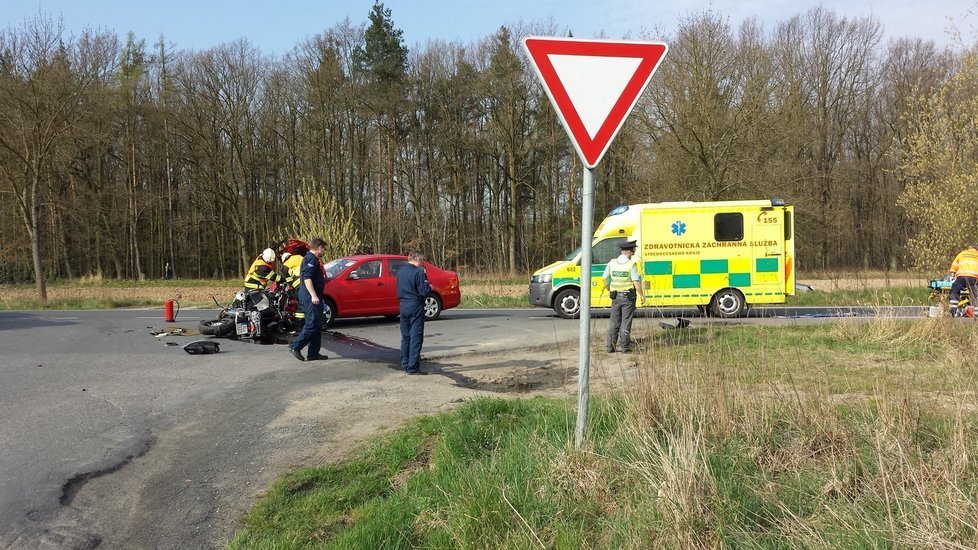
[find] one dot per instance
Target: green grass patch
(77, 303)
(479, 301)
(857, 434)
(130, 283)
(502, 474)
(892, 296)
(846, 356)
(490, 279)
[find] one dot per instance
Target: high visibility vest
(292, 264)
(621, 274)
(255, 280)
(966, 263)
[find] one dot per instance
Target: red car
(365, 286)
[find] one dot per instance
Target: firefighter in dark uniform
(311, 302)
(412, 291)
(623, 278)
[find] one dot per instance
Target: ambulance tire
(728, 303)
(567, 304)
(217, 327)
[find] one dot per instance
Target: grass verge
(720, 439)
(480, 301)
(891, 296)
(77, 303)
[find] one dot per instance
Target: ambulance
(721, 257)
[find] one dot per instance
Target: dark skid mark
(71, 488)
(361, 348)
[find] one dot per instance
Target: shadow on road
(13, 320)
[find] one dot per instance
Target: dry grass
(789, 461)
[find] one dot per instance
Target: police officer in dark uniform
(311, 301)
(412, 291)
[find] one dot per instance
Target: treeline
(117, 156)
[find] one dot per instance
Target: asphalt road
(84, 394)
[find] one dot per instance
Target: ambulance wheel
(567, 304)
(329, 312)
(217, 327)
(432, 307)
(728, 303)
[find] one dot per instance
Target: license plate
(241, 328)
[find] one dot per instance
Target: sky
(276, 27)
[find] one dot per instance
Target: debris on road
(176, 331)
(200, 347)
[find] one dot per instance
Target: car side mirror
(353, 276)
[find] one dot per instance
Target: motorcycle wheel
(217, 327)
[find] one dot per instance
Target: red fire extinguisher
(168, 314)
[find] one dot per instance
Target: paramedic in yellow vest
(262, 271)
(623, 278)
(292, 263)
(964, 268)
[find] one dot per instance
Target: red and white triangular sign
(593, 84)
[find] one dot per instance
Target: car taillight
(453, 282)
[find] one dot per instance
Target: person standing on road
(412, 291)
(964, 268)
(311, 301)
(622, 277)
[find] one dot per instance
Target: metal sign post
(584, 340)
(593, 85)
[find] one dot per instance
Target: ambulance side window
(787, 225)
(728, 227)
(606, 250)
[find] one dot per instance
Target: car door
(361, 288)
(388, 292)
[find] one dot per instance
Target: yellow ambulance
(721, 257)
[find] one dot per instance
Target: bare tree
(43, 78)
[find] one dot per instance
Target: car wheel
(728, 303)
(567, 304)
(432, 307)
(217, 327)
(329, 312)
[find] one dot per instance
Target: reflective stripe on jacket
(292, 275)
(966, 263)
(260, 273)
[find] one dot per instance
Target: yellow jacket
(292, 264)
(260, 274)
(965, 264)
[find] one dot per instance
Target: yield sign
(593, 84)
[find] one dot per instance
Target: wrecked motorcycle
(254, 314)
